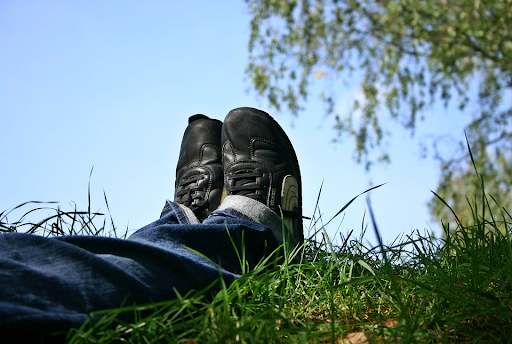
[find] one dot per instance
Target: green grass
(419, 289)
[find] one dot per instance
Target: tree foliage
(405, 55)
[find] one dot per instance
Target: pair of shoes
(248, 155)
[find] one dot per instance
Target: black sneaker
(199, 174)
(260, 163)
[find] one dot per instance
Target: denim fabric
(50, 284)
(259, 212)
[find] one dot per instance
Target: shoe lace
(189, 190)
(244, 183)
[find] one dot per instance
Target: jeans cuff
(260, 213)
(181, 213)
(189, 214)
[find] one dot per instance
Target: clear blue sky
(111, 84)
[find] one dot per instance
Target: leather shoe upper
(258, 161)
(199, 173)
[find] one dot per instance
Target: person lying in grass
(238, 189)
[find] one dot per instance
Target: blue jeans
(50, 284)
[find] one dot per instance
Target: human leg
(50, 284)
(63, 279)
